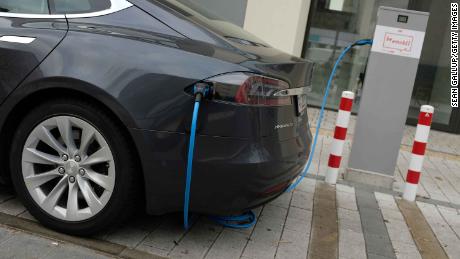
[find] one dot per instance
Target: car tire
(69, 199)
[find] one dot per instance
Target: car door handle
(17, 39)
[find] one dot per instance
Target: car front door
(28, 33)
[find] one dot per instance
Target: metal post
(418, 152)
(340, 133)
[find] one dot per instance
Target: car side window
(24, 6)
(78, 7)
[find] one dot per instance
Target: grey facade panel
(233, 11)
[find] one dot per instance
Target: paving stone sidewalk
(317, 220)
(440, 179)
(369, 225)
(19, 244)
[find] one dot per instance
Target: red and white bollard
(340, 133)
(418, 152)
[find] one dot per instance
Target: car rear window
(78, 6)
(206, 18)
(24, 6)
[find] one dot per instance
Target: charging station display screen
(403, 18)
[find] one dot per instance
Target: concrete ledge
(369, 178)
(117, 250)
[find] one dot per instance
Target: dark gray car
(96, 107)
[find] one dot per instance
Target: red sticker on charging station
(397, 41)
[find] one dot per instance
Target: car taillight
(250, 89)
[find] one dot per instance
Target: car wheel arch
(27, 96)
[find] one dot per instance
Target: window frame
(116, 5)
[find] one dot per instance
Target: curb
(108, 248)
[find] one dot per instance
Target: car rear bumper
(230, 175)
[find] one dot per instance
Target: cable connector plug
(202, 90)
(363, 42)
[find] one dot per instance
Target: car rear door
(28, 33)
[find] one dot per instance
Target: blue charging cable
(323, 106)
(191, 148)
(244, 220)
(248, 218)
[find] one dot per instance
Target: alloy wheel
(68, 168)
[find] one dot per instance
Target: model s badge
(282, 126)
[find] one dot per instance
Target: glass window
(432, 84)
(333, 24)
(24, 6)
(80, 6)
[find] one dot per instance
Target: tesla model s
(96, 101)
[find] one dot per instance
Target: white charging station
(388, 85)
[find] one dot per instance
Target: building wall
(279, 23)
(229, 10)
